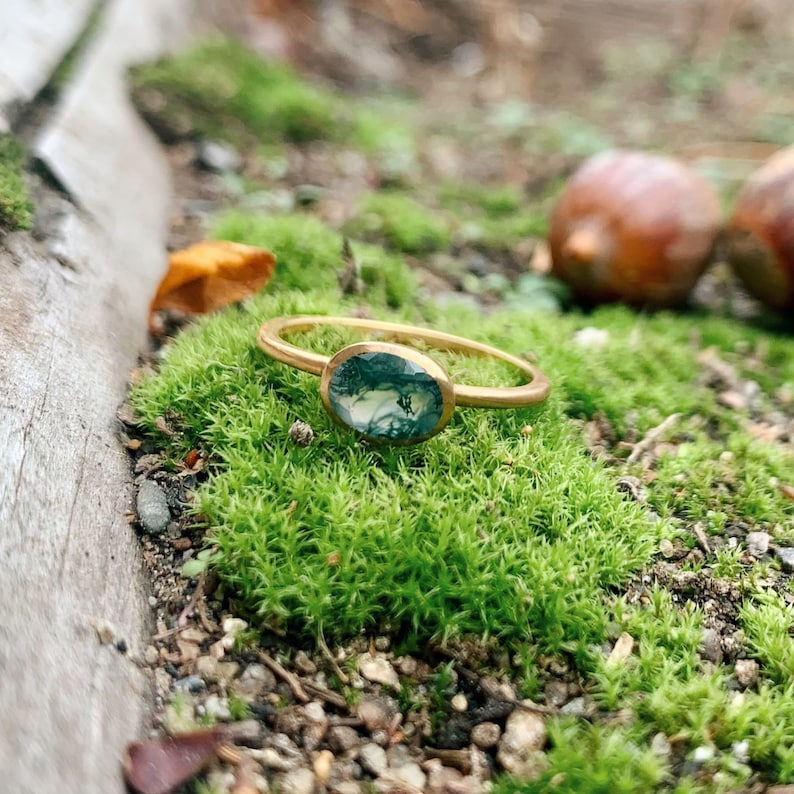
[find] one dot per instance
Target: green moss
(16, 207)
(408, 525)
(309, 255)
(495, 218)
(591, 758)
(401, 223)
(496, 200)
(724, 481)
(380, 129)
(219, 89)
(485, 530)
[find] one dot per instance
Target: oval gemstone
(386, 397)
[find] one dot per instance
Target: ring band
(389, 392)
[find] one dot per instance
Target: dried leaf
(160, 765)
(212, 274)
(622, 650)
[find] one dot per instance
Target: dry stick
(194, 599)
(327, 695)
(326, 651)
(702, 540)
(651, 437)
(293, 680)
(208, 624)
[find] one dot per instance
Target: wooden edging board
(73, 307)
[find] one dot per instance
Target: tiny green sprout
(728, 564)
(248, 638)
(238, 708)
(199, 564)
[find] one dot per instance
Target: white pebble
(378, 670)
(459, 703)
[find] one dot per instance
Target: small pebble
(270, 758)
(152, 508)
(342, 738)
(375, 713)
(233, 626)
(151, 655)
(710, 647)
(301, 434)
(105, 631)
(577, 707)
(486, 735)
(304, 664)
(218, 708)
(411, 774)
(758, 543)
(373, 759)
(191, 683)
(459, 703)
(255, 681)
(297, 781)
(786, 556)
(347, 787)
(520, 748)
(556, 693)
(322, 765)
(703, 754)
(746, 672)
(666, 548)
(218, 156)
(660, 746)
(378, 670)
(591, 338)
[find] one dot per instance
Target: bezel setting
(351, 383)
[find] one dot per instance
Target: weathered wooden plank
(34, 37)
(72, 320)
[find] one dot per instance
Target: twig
(164, 635)
(651, 437)
(326, 651)
(293, 680)
(329, 696)
(209, 625)
(702, 540)
(194, 599)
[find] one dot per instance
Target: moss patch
(488, 530)
(16, 207)
(441, 541)
(401, 223)
(221, 90)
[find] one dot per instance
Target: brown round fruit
(759, 241)
(633, 227)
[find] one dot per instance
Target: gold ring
(391, 393)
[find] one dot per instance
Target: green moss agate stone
(385, 397)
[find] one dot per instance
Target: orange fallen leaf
(212, 274)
